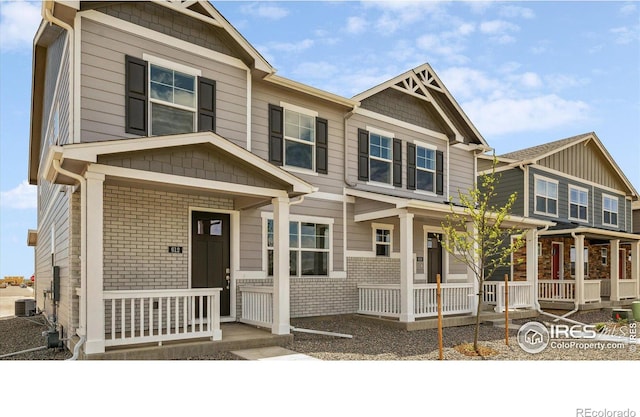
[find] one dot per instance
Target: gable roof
(423, 83)
(537, 153)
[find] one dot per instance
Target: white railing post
(614, 272)
(281, 312)
(635, 267)
(95, 279)
(406, 268)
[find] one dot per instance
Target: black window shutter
(439, 172)
(135, 103)
(411, 166)
(322, 159)
(206, 105)
(397, 163)
(276, 134)
(363, 155)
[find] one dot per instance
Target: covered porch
(413, 297)
(587, 268)
(149, 208)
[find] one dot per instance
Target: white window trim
(535, 195)
(300, 219)
(586, 260)
(379, 132)
(433, 171)
(292, 107)
(381, 226)
(617, 212)
(586, 190)
(604, 256)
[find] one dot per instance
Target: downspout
(83, 247)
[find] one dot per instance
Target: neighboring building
(591, 253)
(635, 216)
(181, 182)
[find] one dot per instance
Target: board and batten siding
(103, 83)
(263, 94)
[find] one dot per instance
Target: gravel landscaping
(371, 341)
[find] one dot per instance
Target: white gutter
(83, 243)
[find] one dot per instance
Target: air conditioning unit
(25, 307)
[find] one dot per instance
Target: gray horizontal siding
(102, 83)
(509, 181)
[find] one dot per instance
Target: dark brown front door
(555, 260)
(210, 259)
(434, 257)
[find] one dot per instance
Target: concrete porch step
(271, 353)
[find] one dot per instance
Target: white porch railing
(143, 316)
(627, 288)
(592, 291)
(379, 299)
(384, 299)
(520, 294)
(554, 290)
(257, 306)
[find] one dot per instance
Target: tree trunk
(477, 330)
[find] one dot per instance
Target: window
(172, 101)
(604, 254)
(425, 169)
(382, 238)
(380, 158)
(165, 98)
(578, 203)
(572, 255)
(539, 249)
(609, 210)
(309, 248)
(299, 139)
(546, 196)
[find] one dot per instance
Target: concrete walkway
(272, 353)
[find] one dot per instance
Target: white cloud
(19, 22)
(292, 46)
(516, 11)
(498, 27)
(466, 83)
(530, 80)
(511, 115)
(23, 196)
(267, 11)
(628, 9)
(625, 35)
(356, 24)
(400, 14)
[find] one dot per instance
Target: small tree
(486, 245)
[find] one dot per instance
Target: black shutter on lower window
(135, 104)
(206, 105)
(397, 163)
(363, 155)
(439, 172)
(276, 134)
(322, 142)
(411, 166)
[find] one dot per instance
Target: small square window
(383, 242)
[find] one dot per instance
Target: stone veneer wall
(329, 296)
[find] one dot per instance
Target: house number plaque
(175, 249)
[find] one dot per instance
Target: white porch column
(281, 309)
(94, 261)
(614, 272)
(579, 284)
(635, 265)
(532, 262)
(407, 312)
(471, 275)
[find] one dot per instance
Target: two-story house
(591, 254)
(183, 183)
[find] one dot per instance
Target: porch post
(471, 275)
(281, 309)
(407, 313)
(94, 261)
(579, 278)
(635, 265)
(614, 272)
(532, 263)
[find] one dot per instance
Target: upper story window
(578, 203)
(609, 210)
(546, 191)
(425, 169)
(165, 98)
(172, 100)
(298, 139)
(380, 158)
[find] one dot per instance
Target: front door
(434, 257)
(555, 260)
(210, 259)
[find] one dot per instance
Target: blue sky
(524, 72)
